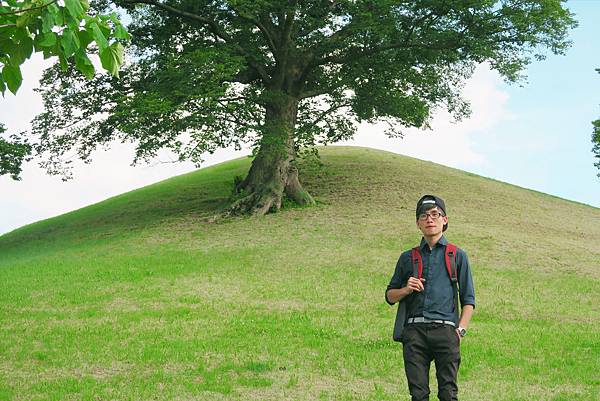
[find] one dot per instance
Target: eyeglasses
(434, 215)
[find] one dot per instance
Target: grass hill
(141, 297)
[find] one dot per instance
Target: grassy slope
(140, 297)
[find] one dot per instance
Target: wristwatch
(462, 331)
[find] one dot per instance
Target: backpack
(417, 262)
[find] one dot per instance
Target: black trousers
(426, 342)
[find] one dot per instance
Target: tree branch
(313, 93)
(329, 111)
(267, 34)
(246, 76)
(346, 31)
(25, 10)
(233, 99)
(289, 21)
(234, 120)
(213, 27)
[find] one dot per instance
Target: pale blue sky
(537, 136)
(548, 144)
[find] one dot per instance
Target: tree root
(269, 200)
(255, 204)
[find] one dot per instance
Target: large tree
(596, 139)
(61, 29)
(286, 74)
(596, 143)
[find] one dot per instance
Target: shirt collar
(442, 241)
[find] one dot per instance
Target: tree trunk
(273, 174)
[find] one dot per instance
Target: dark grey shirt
(437, 300)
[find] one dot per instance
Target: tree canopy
(62, 29)
(596, 143)
(283, 75)
(596, 139)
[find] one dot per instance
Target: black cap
(430, 201)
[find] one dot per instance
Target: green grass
(142, 297)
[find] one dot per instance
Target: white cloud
(448, 143)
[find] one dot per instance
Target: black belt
(421, 319)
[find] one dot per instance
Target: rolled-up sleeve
(465, 280)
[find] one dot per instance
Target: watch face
(462, 332)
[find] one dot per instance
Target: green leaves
(63, 31)
(46, 40)
(12, 155)
(70, 43)
(60, 29)
(48, 19)
(98, 36)
(121, 33)
(75, 8)
(12, 77)
(83, 64)
(112, 57)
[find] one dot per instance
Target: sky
(535, 135)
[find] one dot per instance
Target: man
(433, 329)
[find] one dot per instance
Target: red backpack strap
(451, 267)
(417, 261)
(451, 262)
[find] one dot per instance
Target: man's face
(431, 222)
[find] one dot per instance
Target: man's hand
(396, 294)
(459, 336)
(414, 284)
